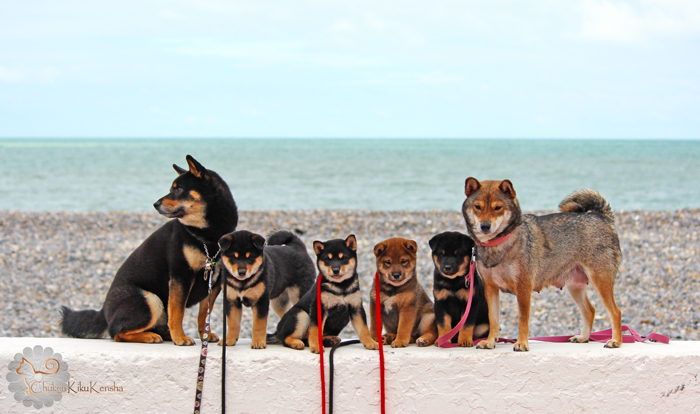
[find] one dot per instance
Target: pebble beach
(50, 259)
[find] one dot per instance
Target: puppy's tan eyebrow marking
(235, 254)
(330, 255)
(340, 255)
(247, 255)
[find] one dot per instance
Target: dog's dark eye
(404, 262)
(387, 263)
(477, 207)
(177, 190)
(497, 208)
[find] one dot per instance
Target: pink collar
(494, 242)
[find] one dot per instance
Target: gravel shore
(49, 259)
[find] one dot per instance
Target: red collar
(494, 242)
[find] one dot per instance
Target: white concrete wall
(559, 378)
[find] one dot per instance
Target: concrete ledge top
(552, 376)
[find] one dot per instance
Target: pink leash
(444, 341)
(319, 321)
(600, 336)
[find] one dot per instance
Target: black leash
(208, 276)
(330, 380)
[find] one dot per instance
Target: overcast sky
(537, 68)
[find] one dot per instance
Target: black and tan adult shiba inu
(165, 274)
(519, 253)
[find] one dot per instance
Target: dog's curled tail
(83, 324)
(280, 237)
(584, 200)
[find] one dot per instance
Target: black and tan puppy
(451, 252)
(165, 274)
(519, 253)
(407, 311)
(341, 301)
(260, 276)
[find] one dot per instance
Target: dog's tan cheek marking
(195, 196)
(194, 257)
(194, 215)
(232, 268)
(255, 266)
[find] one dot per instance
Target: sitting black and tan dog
(451, 252)
(259, 276)
(165, 274)
(407, 312)
(341, 301)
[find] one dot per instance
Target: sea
(347, 174)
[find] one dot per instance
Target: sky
(368, 69)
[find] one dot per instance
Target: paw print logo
(38, 377)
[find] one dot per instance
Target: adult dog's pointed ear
(471, 185)
(351, 242)
(225, 242)
(258, 241)
(379, 249)
(179, 170)
(318, 247)
(195, 167)
(507, 187)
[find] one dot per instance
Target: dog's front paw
(612, 343)
(183, 341)
(371, 344)
(486, 344)
(212, 337)
(229, 341)
(314, 348)
(521, 346)
(467, 343)
(388, 338)
(578, 339)
(399, 343)
(258, 344)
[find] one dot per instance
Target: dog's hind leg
(605, 290)
(146, 310)
(282, 303)
(580, 296)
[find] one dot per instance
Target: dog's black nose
(157, 204)
(336, 270)
(396, 275)
(241, 272)
(447, 268)
(485, 226)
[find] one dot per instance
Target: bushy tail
(281, 237)
(584, 200)
(83, 324)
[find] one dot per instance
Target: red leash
(378, 311)
(319, 321)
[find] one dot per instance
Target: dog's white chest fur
(389, 303)
(501, 275)
(331, 300)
